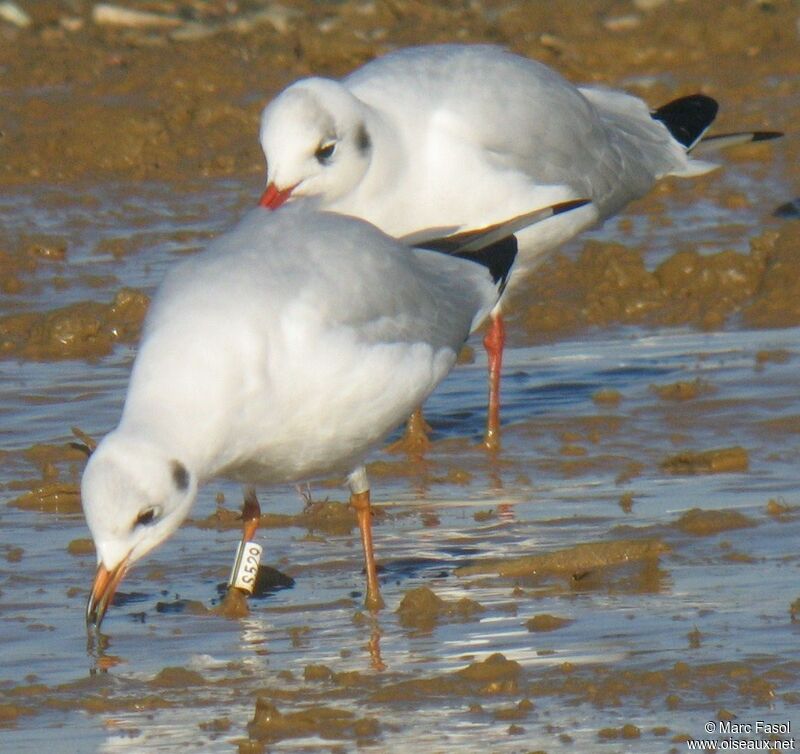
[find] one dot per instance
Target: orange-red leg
(359, 499)
(493, 343)
(244, 574)
(251, 513)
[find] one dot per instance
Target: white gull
(285, 351)
(449, 137)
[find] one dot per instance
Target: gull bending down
(285, 351)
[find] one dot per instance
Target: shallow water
(664, 644)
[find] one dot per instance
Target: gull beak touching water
(103, 590)
(285, 351)
(460, 136)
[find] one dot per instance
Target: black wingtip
(498, 257)
(766, 135)
(570, 205)
(687, 118)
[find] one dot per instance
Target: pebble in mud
(695, 638)
(518, 712)
(607, 397)
(580, 558)
(15, 270)
(789, 210)
(496, 667)
(80, 330)
(270, 725)
(772, 356)
(13, 554)
(421, 609)
(217, 725)
(780, 509)
(626, 502)
(80, 547)
(233, 605)
(494, 676)
(683, 390)
(627, 731)
(9, 713)
(177, 677)
(176, 606)
(545, 622)
(53, 497)
(723, 460)
(328, 516)
(705, 523)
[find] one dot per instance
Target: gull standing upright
(285, 351)
(457, 136)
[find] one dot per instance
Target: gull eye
(147, 516)
(325, 152)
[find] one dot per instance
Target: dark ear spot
(179, 475)
(363, 142)
(146, 517)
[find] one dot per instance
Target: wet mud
(576, 560)
(715, 461)
(620, 572)
(611, 285)
(422, 609)
(84, 330)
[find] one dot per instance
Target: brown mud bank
(84, 330)
(610, 284)
(607, 285)
(91, 95)
(85, 98)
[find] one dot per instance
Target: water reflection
(441, 510)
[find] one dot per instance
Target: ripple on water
(660, 644)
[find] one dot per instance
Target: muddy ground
(91, 99)
(87, 97)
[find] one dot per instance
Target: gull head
(316, 141)
(134, 497)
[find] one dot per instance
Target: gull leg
(359, 499)
(248, 554)
(251, 513)
(493, 343)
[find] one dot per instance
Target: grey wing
(638, 150)
(525, 116)
(340, 271)
(527, 119)
(434, 299)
